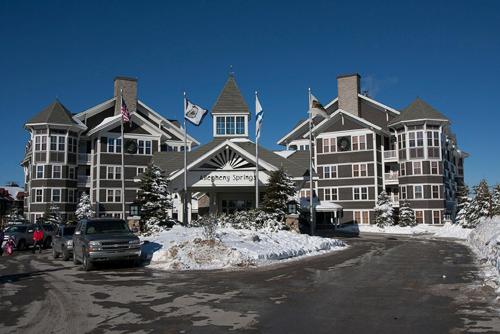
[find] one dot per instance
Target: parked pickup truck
(104, 239)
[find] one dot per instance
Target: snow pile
(446, 231)
(184, 248)
(485, 242)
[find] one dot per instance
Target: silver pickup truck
(104, 239)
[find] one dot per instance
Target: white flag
(259, 115)
(316, 108)
(194, 113)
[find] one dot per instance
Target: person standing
(2, 235)
(37, 239)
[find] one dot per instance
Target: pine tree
(464, 215)
(383, 210)
(52, 215)
(481, 204)
(406, 215)
(84, 207)
(279, 191)
(154, 198)
(495, 201)
(462, 196)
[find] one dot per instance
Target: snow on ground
(446, 231)
(184, 248)
(484, 240)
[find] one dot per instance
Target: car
(22, 234)
(104, 240)
(62, 243)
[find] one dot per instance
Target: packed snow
(484, 240)
(183, 248)
(445, 231)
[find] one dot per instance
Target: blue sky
(447, 53)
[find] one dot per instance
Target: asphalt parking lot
(378, 285)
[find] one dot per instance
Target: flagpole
(311, 206)
(256, 158)
(122, 155)
(185, 204)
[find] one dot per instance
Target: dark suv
(63, 242)
(104, 239)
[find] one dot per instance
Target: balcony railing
(83, 158)
(83, 181)
(391, 177)
(390, 155)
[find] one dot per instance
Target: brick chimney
(129, 86)
(349, 88)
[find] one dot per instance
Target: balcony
(391, 155)
(84, 158)
(84, 181)
(391, 177)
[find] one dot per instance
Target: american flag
(124, 112)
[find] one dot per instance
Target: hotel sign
(232, 178)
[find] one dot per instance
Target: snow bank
(446, 231)
(484, 240)
(183, 248)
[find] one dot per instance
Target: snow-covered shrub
(255, 220)
(84, 207)
(495, 201)
(383, 211)
(209, 228)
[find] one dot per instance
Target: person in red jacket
(37, 239)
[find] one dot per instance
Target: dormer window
(230, 125)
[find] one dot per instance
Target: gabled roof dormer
(230, 112)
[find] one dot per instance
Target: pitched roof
(418, 109)
(55, 113)
(230, 99)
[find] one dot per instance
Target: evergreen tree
(279, 191)
(406, 215)
(462, 195)
(52, 215)
(464, 215)
(154, 198)
(495, 201)
(481, 204)
(383, 210)
(84, 207)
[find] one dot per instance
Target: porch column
(213, 203)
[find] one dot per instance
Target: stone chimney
(349, 88)
(129, 87)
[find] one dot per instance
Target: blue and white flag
(194, 113)
(259, 113)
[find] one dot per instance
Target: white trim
(379, 104)
(96, 109)
(279, 142)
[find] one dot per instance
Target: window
(220, 126)
(359, 170)
(40, 143)
(114, 173)
(331, 194)
(56, 171)
(433, 138)
(240, 125)
(329, 145)
(71, 195)
(61, 143)
(71, 173)
(72, 144)
(144, 146)
(56, 195)
(38, 196)
(402, 141)
(362, 217)
(419, 216)
(434, 168)
(435, 192)
(420, 139)
(113, 195)
(436, 217)
(305, 193)
(417, 168)
(418, 192)
(403, 192)
(359, 143)
(304, 147)
(230, 128)
(360, 193)
(402, 169)
(330, 172)
(39, 171)
(114, 145)
(140, 170)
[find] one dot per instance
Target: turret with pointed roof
(419, 110)
(55, 113)
(230, 112)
